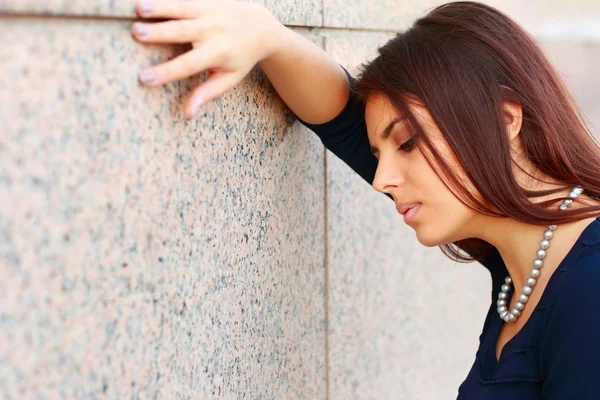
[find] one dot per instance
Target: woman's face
(405, 174)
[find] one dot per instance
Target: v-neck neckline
(496, 325)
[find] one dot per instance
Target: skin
(443, 218)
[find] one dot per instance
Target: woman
(465, 125)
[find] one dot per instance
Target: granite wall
(143, 255)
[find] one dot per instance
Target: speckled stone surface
(404, 321)
(394, 15)
(143, 255)
(541, 17)
(574, 19)
(296, 12)
(565, 20)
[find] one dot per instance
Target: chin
(428, 239)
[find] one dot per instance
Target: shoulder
(583, 277)
(575, 310)
(570, 341)
(580, 283)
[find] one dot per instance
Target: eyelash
(408, 145)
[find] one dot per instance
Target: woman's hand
(228, 39)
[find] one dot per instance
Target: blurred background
(143, 255)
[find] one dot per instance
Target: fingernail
(196, 107)
(195, 110)
(146, 6)
(148, 77)
(141, 29)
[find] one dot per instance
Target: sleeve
(346, 137)
(570, 349)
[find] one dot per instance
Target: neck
(518, 243)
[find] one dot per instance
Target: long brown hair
(462, 61)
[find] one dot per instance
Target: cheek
(444, 219)
(427, 182)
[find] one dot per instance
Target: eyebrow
(387, 131)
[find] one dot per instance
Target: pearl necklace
(511, 316)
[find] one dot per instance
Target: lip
(408, 211)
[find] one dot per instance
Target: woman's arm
(309, 81)
(228, 39)
(317, 90)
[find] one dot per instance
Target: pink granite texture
(295, 12)
(542, 17)
(143, 255)
(404, 321)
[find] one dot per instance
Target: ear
(513, 117)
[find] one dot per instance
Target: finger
(174, 31)
(178, 9)
(217, 84)
(180, 67)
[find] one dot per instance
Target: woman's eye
(408, 145)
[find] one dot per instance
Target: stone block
(143, 254)
(555, 18)
(296, 12)
(404, 321)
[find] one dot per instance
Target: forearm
(309, 80)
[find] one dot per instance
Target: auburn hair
(462, 60)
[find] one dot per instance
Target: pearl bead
(523, 298)
(541, 253)
(510, 316)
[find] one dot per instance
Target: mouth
(409, 212)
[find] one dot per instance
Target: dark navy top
(556, 354)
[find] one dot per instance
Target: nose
(388, 176)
